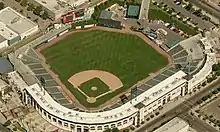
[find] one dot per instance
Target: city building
(7, 35)
(5, 66)
(133, 11)
(73, 16)
(58, 8)
(106, 20)
(175, 125)
(14, 27)
(18, 23)
(191, 67)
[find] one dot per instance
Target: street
(178, 8)
(206, 7)
(182, 111)
(144, 9)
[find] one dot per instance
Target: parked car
(177, 2)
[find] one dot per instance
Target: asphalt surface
(144, 9)
(178, 8)
(182, 111)
(206, 7)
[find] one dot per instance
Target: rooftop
(133, 10)
(6, 32)
(191, 45)
(60, 6)
(15, 21)
(106, 14)
(175, 125)
(2, 39)
(5, 66)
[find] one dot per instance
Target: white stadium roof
(15, 21)
(128, 109)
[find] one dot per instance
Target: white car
(177, 3)
(184, 6)
(167, 24)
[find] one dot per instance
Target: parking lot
(171, 35)
(195, 19)
(213, 109)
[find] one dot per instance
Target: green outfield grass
(102, 88)
(126, 56)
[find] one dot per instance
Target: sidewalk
(172, 104)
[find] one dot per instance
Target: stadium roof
(6, 32)
(15, 21)
(187, 56)
(172, 43)
(191, 45)
(53, 107)
(133, 10)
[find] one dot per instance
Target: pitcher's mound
(94, 88)
(91, 99)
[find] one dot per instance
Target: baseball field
(97, 65)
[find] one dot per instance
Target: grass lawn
(159, 14)
(95, 82)
(126, 56)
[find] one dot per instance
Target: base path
(109, 79)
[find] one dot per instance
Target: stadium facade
(192, 64)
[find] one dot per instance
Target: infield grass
(86, 87)
(126, 56)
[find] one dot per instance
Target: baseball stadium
(96, 79)
(101, 64)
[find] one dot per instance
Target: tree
(200, 101)
(169, 11)
(24, 3)
(204, 98)
(218, 73)
(189, 6)
(215, 91)
(151, 116)
(30, 7)
(2, 5)
(18, 1)
(45, 15)
(198, 12)
(115, 130)
(203, 84)
(196, 28)
(107, 130)
(37, 10)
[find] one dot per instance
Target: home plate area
(94, 84)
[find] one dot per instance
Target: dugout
(105, 19)
(133, 11)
